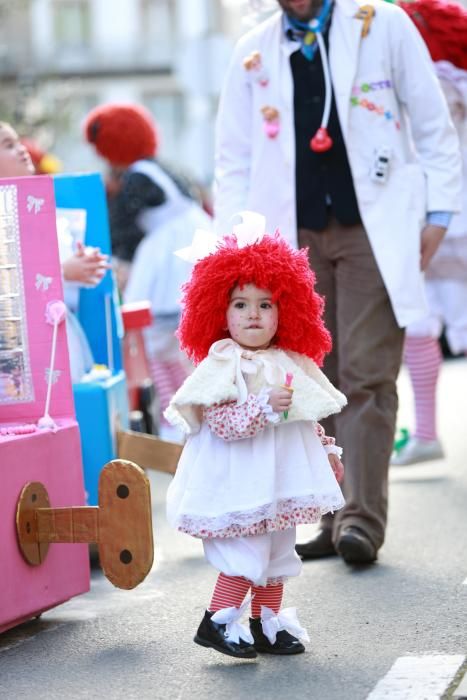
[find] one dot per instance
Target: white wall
(184, 103)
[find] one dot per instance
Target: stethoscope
(321, 141)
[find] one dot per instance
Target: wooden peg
(121, 524)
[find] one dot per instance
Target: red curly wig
(443, 26)
(122, 134)
(271, 264)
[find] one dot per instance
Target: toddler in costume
(256, 462)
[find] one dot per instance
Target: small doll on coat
(256, 462)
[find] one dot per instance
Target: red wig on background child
(443, 26)
(122, 134)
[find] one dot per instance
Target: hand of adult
(430, 241)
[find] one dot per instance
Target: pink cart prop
(35, 390)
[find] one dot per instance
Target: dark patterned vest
(324, 183)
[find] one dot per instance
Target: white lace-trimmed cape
(214, 381)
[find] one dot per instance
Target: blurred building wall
(59, 58)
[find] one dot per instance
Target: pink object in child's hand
(288, 383)
(55, 312)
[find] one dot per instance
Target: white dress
(275, 480)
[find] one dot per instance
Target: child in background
(151, 215)
(86, 266)
(256, 462)
(444, 28)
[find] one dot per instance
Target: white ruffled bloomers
(276, 480)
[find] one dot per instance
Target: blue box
(101, 408)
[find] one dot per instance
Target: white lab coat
(256, 172)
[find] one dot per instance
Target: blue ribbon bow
(305, 32)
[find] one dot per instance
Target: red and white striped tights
(230, 591)
(423, 359)
(167, 378)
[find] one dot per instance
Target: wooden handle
(121, 525)
(126, 548)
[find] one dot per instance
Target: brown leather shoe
(355, 547)
(318, 547)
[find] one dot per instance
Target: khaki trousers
(364, 364)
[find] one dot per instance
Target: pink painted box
(30, 278)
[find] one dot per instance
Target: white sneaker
(417, 450)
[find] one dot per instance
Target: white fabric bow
(203, 244)
(285, 620)
(251, 230)
(246, 362)
(234, 630)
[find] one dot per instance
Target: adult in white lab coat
(372, 209)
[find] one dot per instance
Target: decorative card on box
(39, 436)
(30, 280)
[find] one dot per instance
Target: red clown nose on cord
(321, 141)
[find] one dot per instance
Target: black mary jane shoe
(212, 634)
(285, 644)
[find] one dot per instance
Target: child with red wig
(256, 462)
(443, 26)
(151, 215)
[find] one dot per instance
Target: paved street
(362, 621)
